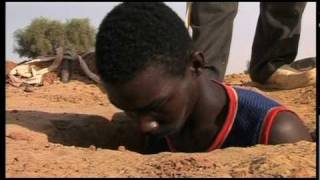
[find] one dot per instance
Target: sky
(20, 14)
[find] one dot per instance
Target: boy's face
(157, 100)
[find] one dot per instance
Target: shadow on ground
(81, 130)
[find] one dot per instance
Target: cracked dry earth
(71, 130)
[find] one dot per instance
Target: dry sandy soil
(71, 130)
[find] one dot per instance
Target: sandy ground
(71, 130)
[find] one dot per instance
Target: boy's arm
(288, 128)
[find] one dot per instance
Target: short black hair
(134, 36)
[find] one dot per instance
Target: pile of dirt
(50, 78)
(32, 158)
(240, 79)
(72, 130)
(306, 95)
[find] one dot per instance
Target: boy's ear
(197, 62)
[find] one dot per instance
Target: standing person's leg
(212, 24)
(276, 42)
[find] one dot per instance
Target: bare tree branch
(87, 71)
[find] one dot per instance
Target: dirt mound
(72, 130)
(55, 160)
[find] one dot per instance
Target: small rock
(92, 148)
(122, 148)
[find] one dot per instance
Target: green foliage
(43, 36)
(80, 36)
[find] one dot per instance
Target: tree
(43, 36)
(80, 36)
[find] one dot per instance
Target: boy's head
(145, 58)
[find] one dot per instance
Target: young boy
(150, 69)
